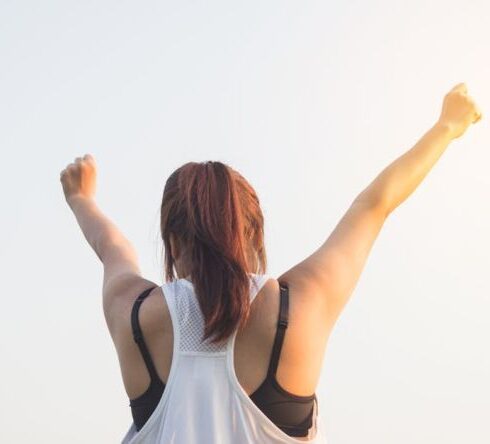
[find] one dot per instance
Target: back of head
(213, 214)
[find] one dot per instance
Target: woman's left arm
(111, 246)
(79, 183)
(122, 277)
(103, 235)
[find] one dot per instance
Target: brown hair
(215, 214)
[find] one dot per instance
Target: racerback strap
(282, 324)
(138, 334)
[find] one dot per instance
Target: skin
(320, 285)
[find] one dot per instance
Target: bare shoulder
(302, 296)
(324, 281)
(153, 312)
(305, 339)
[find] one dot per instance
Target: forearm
(400, 178)
(98, 229)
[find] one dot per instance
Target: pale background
(308, 100)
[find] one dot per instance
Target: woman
(225, 353)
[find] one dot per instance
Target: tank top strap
(170, 295)
(257, 281)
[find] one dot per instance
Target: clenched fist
(459, 111)
(79, 178)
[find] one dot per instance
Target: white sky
(308, 100)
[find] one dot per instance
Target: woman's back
(303, 347)
(298, 367)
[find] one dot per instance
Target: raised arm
(327, 277)
(399, 179)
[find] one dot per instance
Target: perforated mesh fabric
(191, 320)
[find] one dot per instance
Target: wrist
(444, 129)
(76, 200)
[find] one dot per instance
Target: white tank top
(203, 402)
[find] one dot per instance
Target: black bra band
(138, 335)
(282, 324)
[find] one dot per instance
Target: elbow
(376, 201)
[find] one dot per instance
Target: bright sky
(308, 100)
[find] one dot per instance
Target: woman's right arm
(325, 280)
(400, 179)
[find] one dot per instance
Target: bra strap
(282, 324)
(138, 334)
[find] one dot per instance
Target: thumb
(478, 114)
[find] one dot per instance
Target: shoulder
(118, 304)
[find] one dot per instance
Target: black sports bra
(293, 414)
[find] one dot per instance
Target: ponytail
(215, 214)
